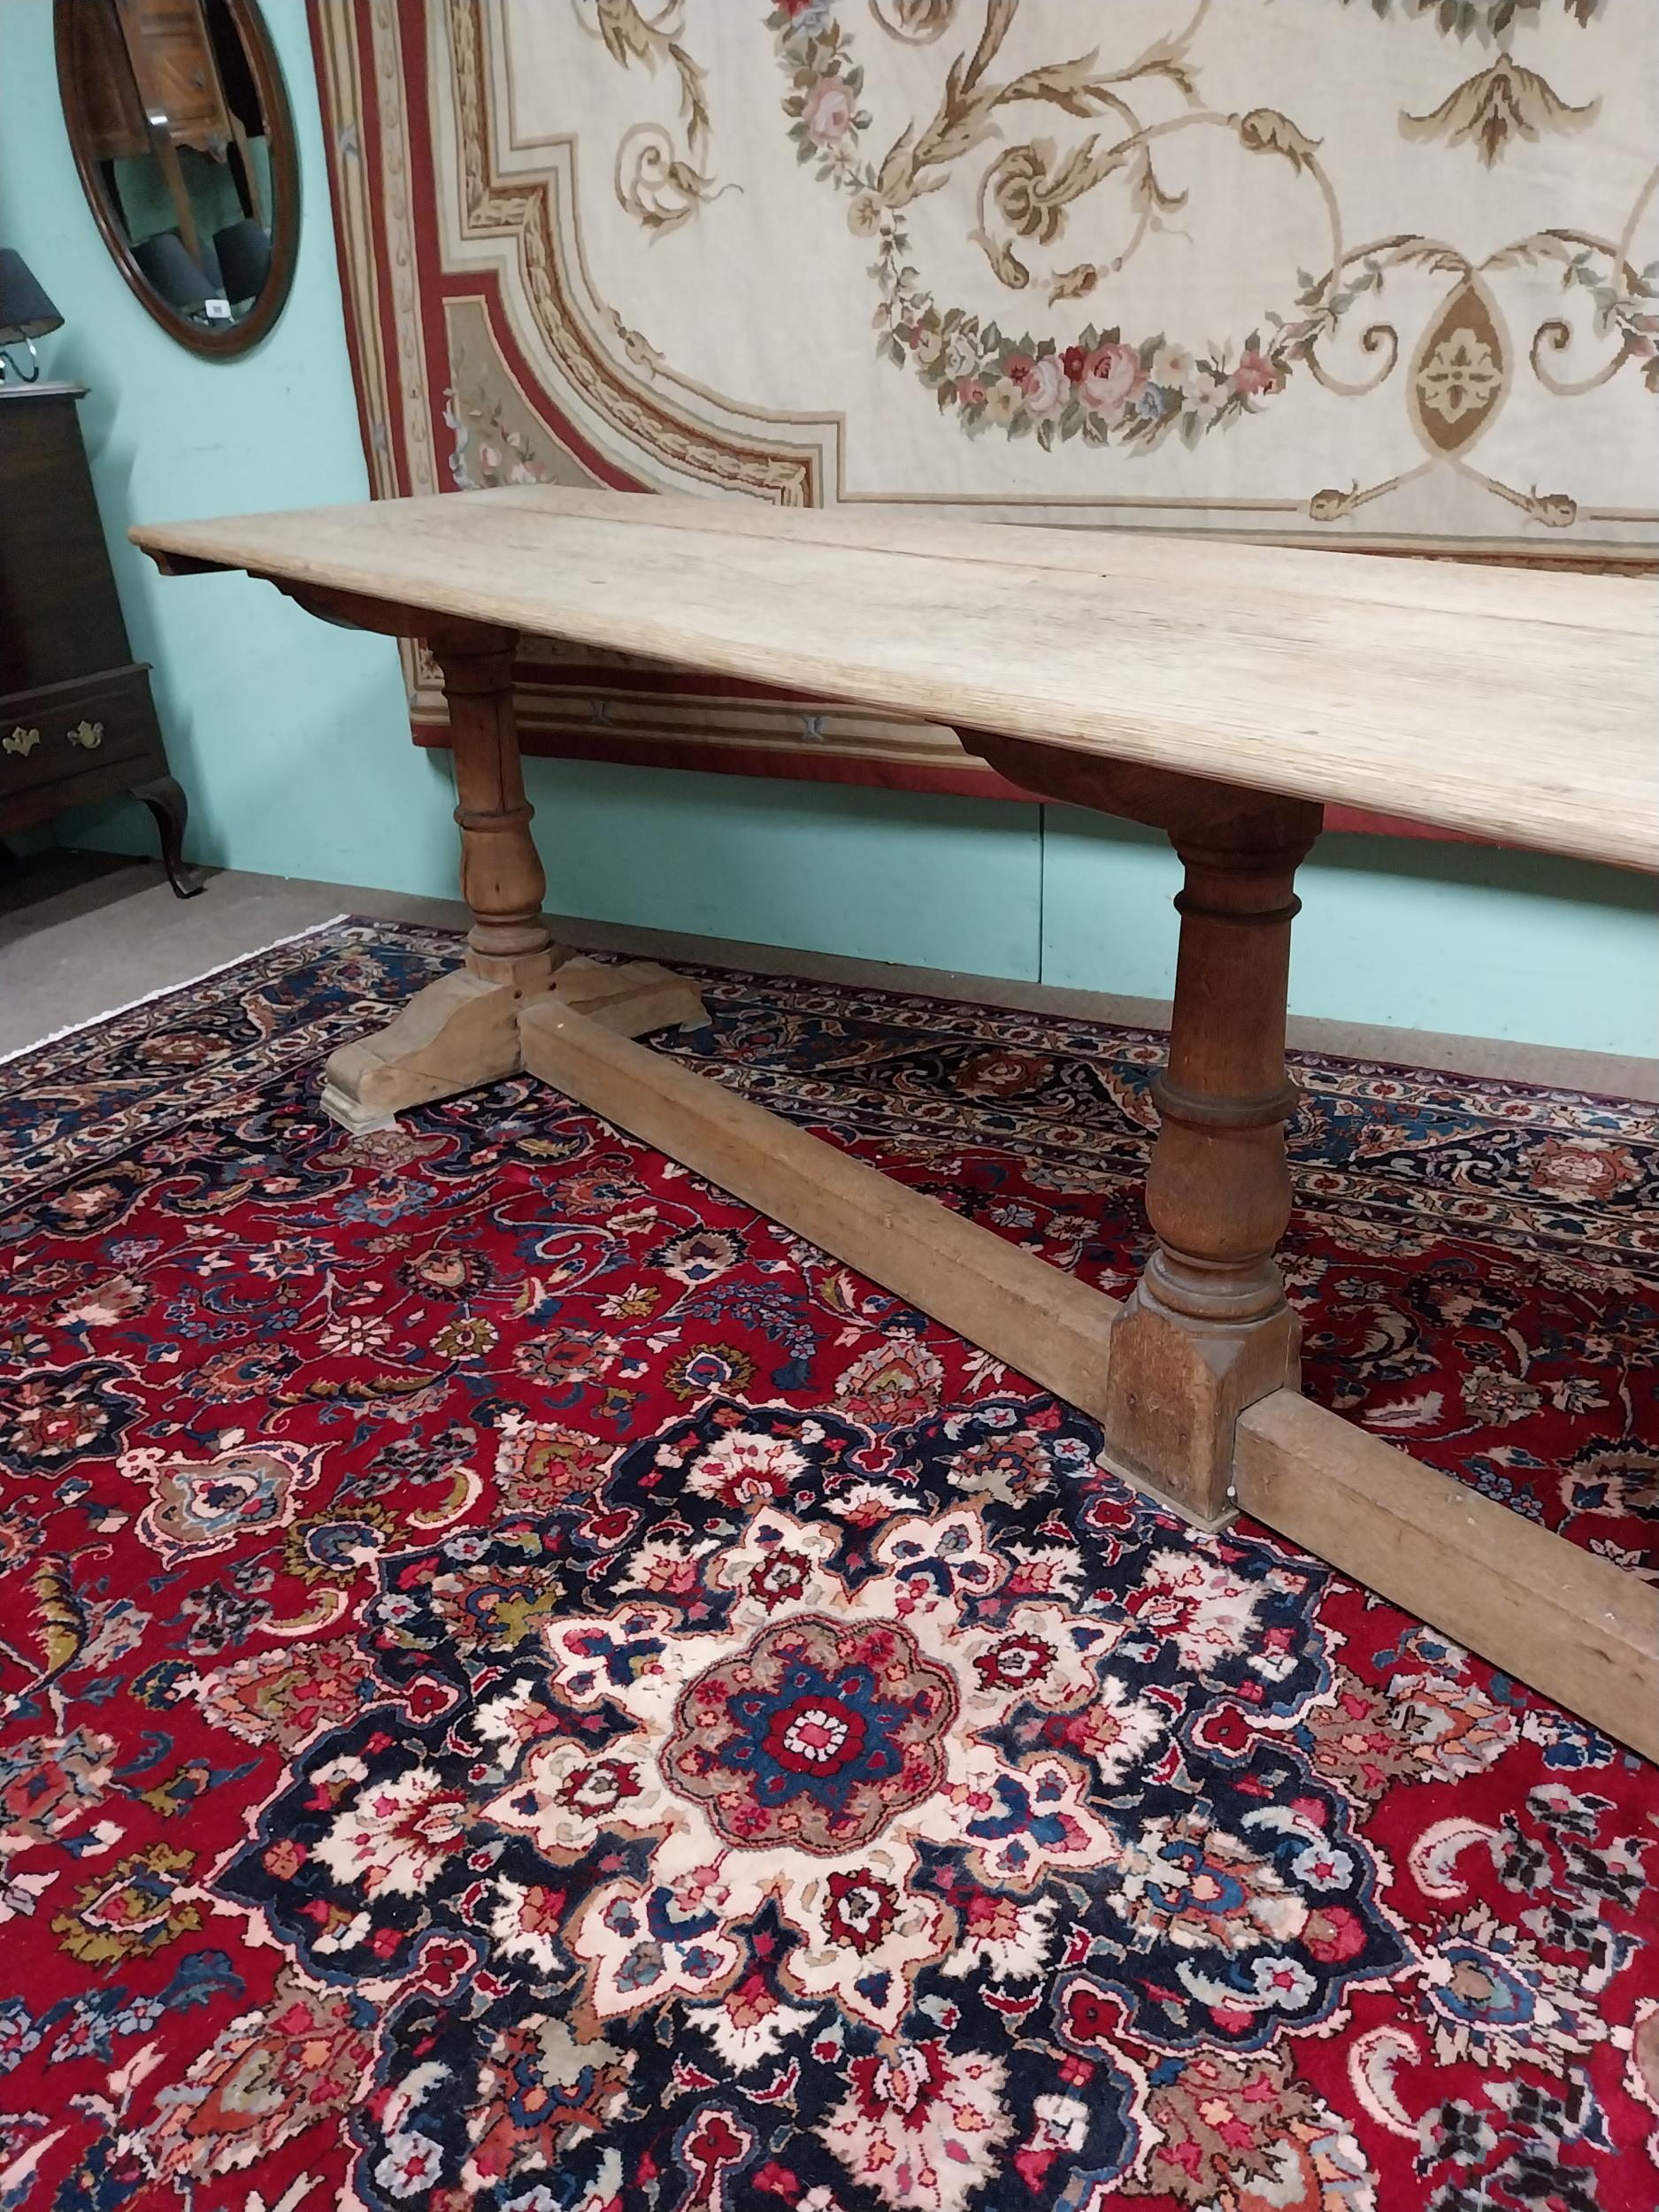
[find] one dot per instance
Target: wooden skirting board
(1574, 1626)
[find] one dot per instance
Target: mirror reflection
(181, 131)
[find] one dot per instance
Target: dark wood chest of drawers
(77, 721)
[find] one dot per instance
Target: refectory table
(1221, 693)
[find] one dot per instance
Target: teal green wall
(290, 737)
(293, 739)
(1458, 938)
(876, 875)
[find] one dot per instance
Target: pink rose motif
(828, 112)
(1584, 1169)
(1255, 373)
(1112, 377)
(1046, 387)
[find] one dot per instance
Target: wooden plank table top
(1518, 706)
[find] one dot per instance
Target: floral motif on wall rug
(527, 1685)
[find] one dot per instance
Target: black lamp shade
(244, 256)
(25, 309)
(169, 268)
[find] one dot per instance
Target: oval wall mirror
(181, 133)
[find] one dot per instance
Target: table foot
(462, 1032)
(1175, 1388)
(459, 1032)
(630, 998)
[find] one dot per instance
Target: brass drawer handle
(22, 741)
(86, 735)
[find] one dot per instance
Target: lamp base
(8, 364)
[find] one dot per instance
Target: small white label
(219, 310)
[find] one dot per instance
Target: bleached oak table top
(1514, 705)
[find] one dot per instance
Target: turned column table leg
(1207, 1329)
(463, 1030)
(501, 877)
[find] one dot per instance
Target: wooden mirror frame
(216, 342)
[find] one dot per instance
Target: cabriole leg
(170, 810)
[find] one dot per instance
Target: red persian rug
(528, 1685)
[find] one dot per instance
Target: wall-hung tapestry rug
(1361, 272)
(529, 1686)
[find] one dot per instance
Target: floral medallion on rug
(528, 1685)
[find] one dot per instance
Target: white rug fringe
(184, 983)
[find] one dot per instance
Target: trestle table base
(1194, 1379)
